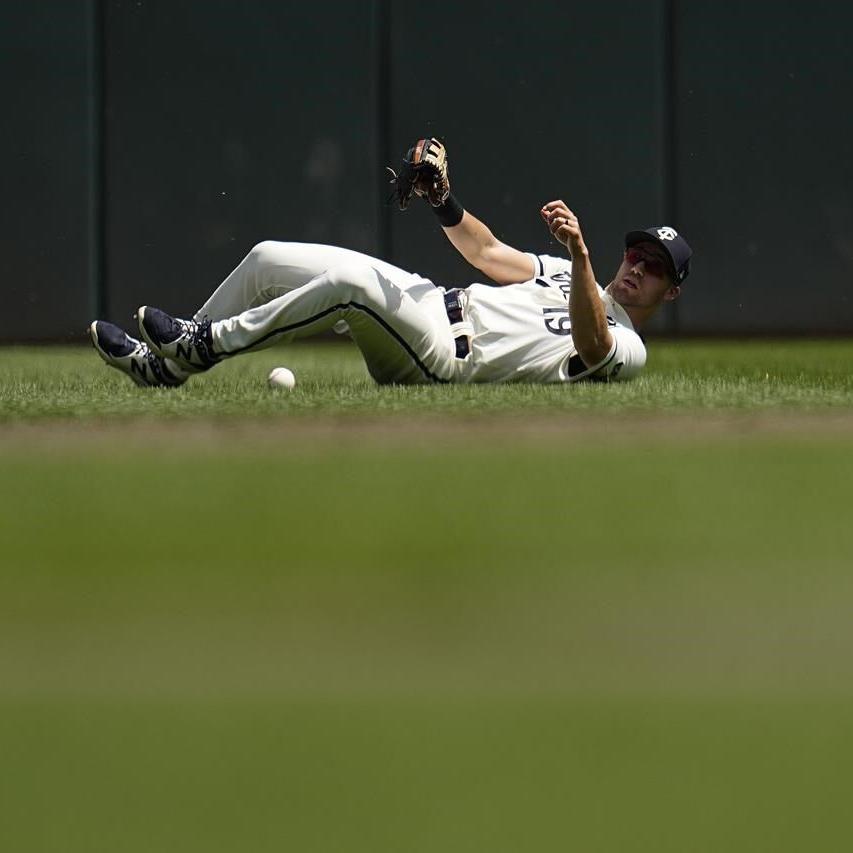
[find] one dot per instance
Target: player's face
(643, 279)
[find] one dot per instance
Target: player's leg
(271, 269)
(405, 337)
(274, 268)
(268, 270)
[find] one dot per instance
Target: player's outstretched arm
(425, 173)
(590, 334)
(479, 246)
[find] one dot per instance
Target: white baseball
(281, 377)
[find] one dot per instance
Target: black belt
(453, 306)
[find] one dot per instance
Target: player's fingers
(568, 224)
(558, 209)
(561, 231)
(561, 217)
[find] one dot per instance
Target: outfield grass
(361, 620)
(332, 380)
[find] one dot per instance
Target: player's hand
(564, 226)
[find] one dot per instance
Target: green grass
(72, 382)
(424, 776)
(310, 630)
(375, 568)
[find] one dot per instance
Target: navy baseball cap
(669, 239)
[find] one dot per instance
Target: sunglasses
(654, 266)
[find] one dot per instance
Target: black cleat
(187, 342)
(132, 357)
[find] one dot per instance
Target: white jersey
(522, 332)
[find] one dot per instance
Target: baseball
(281, 377)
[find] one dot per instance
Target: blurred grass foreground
(233, 635)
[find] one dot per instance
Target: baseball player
(547, 320)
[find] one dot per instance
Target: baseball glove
(424, 173)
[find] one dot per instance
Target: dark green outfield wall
(765, 164)
(48, 165)
(147, 145)
(228, 123)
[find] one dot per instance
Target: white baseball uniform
(408, 329)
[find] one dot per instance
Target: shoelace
(198, 336)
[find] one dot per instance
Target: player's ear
(672, 294)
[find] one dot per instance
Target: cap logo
(667, 233)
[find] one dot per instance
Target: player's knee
(264, 254)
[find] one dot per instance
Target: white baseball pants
(284, 291)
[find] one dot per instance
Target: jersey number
(560, 324)
(557, 321)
